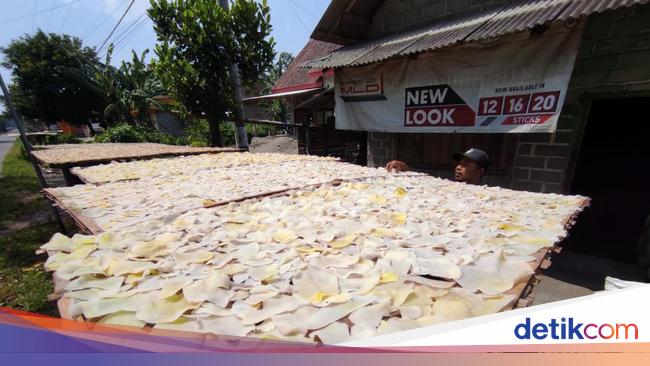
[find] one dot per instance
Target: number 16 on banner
(516, 104)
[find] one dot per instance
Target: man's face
(468, 171)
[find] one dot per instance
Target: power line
(134, 33)
(104, 21)
(116, 25)
(49, 20)
(297, 16)
(67, 13)
(13, 20)
(128, 33)
(121, 36)
(34, 16)
(303, 9)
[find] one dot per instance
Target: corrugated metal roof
(519, 16)
(514, 17)
(444, 35)
(387, 49)
(576, 9)
(342, 57)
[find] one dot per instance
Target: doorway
(613, 168)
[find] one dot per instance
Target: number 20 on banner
(519, 104)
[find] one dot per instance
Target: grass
(24, 284)
(19, 188)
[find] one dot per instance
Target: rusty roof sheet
(514, 17)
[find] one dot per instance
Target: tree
(198, 41)
(5, 115)
(280, 66)
(41, 91)
(141, 85)
(131, 87)
(277, 107)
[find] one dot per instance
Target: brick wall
(613, 60)
(399, 15)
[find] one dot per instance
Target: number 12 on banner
(492, 106)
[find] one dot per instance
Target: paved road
(5, 145)
(276, 144)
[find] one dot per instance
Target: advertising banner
(513, 84)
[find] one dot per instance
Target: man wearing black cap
(470, 168)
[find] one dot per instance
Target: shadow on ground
(575, 274)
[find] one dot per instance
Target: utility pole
(28, 147)
(241, 139)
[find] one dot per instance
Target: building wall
(166, 122)
(254, 110)
(613, 61)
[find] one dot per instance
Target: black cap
(479, 156)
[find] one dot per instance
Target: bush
(261, 130)
(64, 138)
(228, 131)
(127, 133)
(198, 133)
(121, 133)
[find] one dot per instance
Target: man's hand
(398, 166)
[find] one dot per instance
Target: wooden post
(70, 179)
(28, 148)
(307, 139)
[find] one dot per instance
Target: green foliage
(39, 87)
(64, 138)
(277, 107)
(140, 85)
(131, 88)
(5, 114)
(198, 41)
(198, 133)
(261, 130)
(281, 65)
(121, 133)
(228, 131)
(125, 132)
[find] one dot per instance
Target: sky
(93, 20)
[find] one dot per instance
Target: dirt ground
(276, 144)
